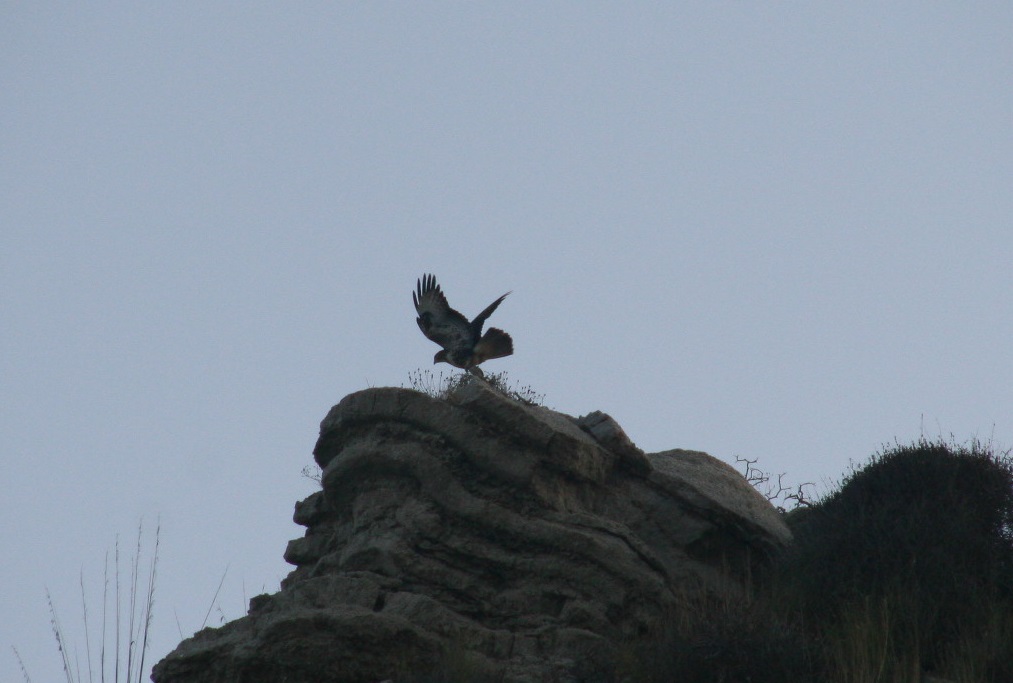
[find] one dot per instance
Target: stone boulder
(483, 539)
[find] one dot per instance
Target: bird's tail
(495, 343)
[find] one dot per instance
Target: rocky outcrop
(482, 539)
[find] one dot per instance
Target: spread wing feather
(437, 320)
(480, 319)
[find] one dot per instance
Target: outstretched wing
(476, 324)
(437, 320)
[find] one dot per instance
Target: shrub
(919, 542)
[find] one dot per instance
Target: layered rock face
(482, 539)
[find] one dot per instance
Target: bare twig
(60, 642)
(84, 618)
(215, 598)
(783, 497)
(149, 602)
(24, 671)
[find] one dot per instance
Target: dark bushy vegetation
(914, 519)
(919, 544)
(906, 568)
(725, 639)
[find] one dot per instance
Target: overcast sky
(778, 231)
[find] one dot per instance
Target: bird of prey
(464, 345)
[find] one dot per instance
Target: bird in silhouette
(464, 345)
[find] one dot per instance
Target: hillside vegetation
(905, 569)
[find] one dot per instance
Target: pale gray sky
(774, 230)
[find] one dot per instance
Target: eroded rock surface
(481, 539)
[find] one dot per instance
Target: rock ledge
(487, 540)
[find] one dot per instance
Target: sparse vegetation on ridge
(440, 386)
